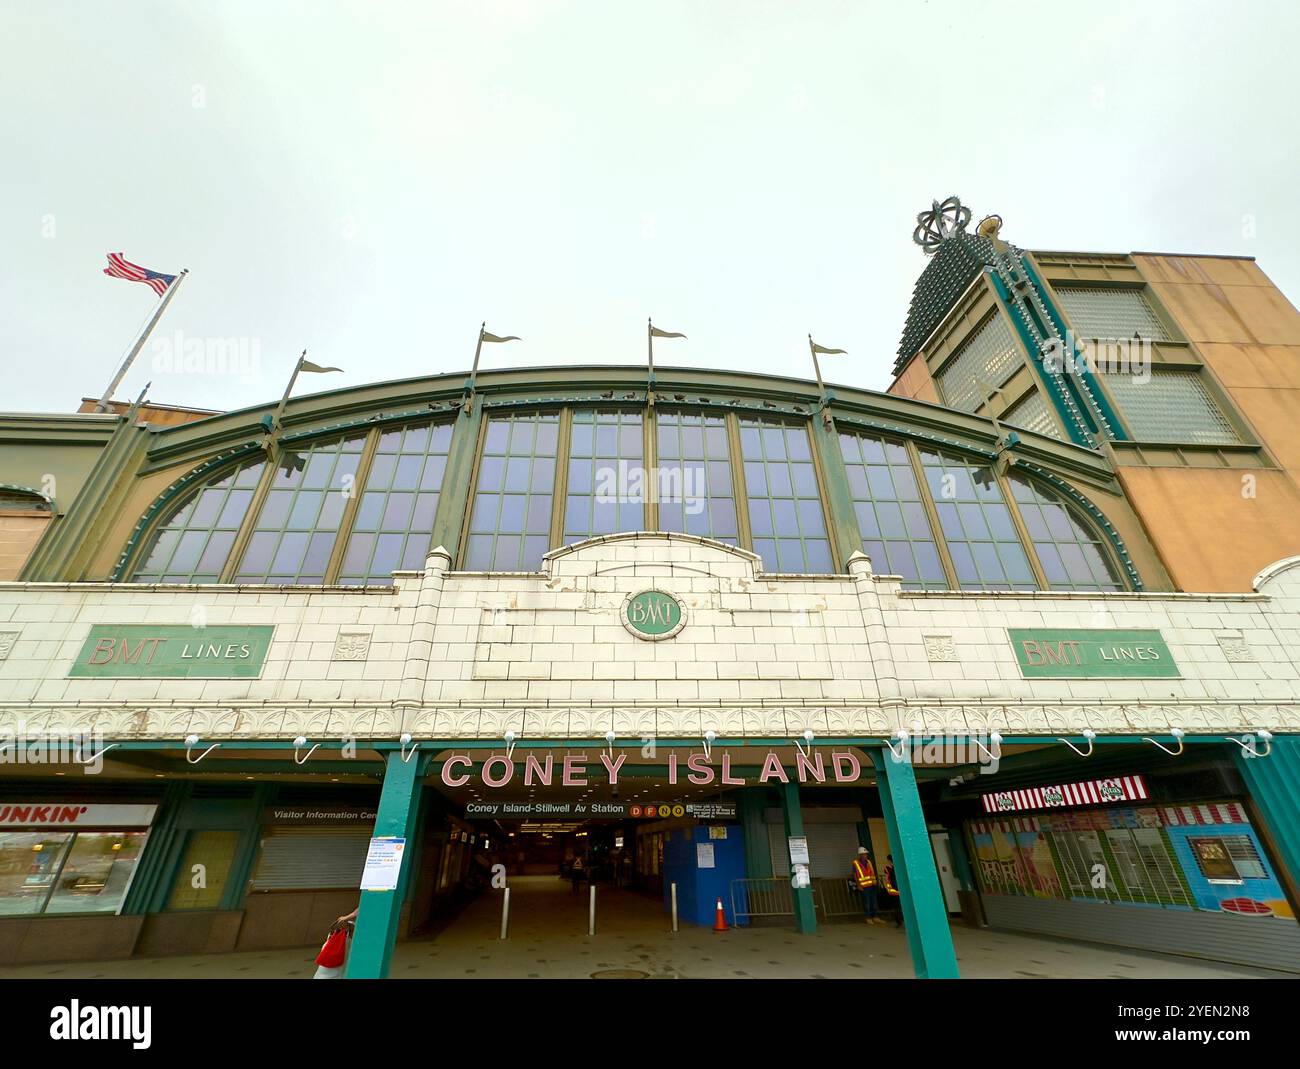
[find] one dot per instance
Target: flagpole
(473, 371)
(821, 386)
(102, 404)
(650, 349)
(279, 409)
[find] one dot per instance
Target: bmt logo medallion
(653, 615)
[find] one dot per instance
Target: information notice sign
(383, 863)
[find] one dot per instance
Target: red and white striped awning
(1089, 792)
(1213, 813)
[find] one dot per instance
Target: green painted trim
(805, 910)
(750, 804)
(250, 840)
(920, 896)
(31, 490)
(453, 508)
(73, 534)
(379, 912)
(1095, 397)
(842, 518)
(1066, 407)
(1274, 785)
(161, 854)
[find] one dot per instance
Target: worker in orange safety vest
(864, 879)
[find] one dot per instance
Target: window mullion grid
(745, 534)
(932, 514)
(1031, 551)
(249, 525)
(349, 515)
(476, 467)
(650, 461)
(560, 484)
(823, 493)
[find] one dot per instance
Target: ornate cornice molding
(571, 720)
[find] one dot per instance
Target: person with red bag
(334, 952)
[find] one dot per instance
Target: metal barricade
(836, 896)
(769, 896)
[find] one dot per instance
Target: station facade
(1028, 629)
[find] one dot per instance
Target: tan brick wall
(19, 533)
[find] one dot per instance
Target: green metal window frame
(695, 448)
(977, 524)
(526, 482)
(744, 461)
(233, 492)
(304, 504)
(1068, 547)
(604, 443)
(398, 504)
(782, 484)
(890, 508)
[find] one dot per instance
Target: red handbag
(335, 950)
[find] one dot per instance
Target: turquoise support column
(379, 911)
(805, 913)
(750, 803)
(928, 935)
(1274, 784)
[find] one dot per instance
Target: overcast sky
(371, 180)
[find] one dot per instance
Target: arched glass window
(891, 514)
(785, 506)
(394, 521)
(193, 543)
(299, 522)
(1069, 548)
(696, 494)
(606, 488)
(977, 525)
(510, 522)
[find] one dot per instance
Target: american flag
(120, 268)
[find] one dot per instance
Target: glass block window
(785, 507)
(987, 359)
(1171, 406)
(1069, 548)
(696, 494)
(977, 525)
(193, 544)
(510, 523)
(299, 522)
(1033, 414)
(895, 530)
(1114, 314)
(394, 521)
(606, 490)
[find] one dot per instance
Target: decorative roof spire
(944, 220)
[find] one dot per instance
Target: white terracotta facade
(459, 655)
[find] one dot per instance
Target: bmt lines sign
(1091, 654)
(153, 651)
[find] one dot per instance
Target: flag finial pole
(650, 353)
(163, 302)
(468, 402)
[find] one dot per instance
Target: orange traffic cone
(720, 918)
